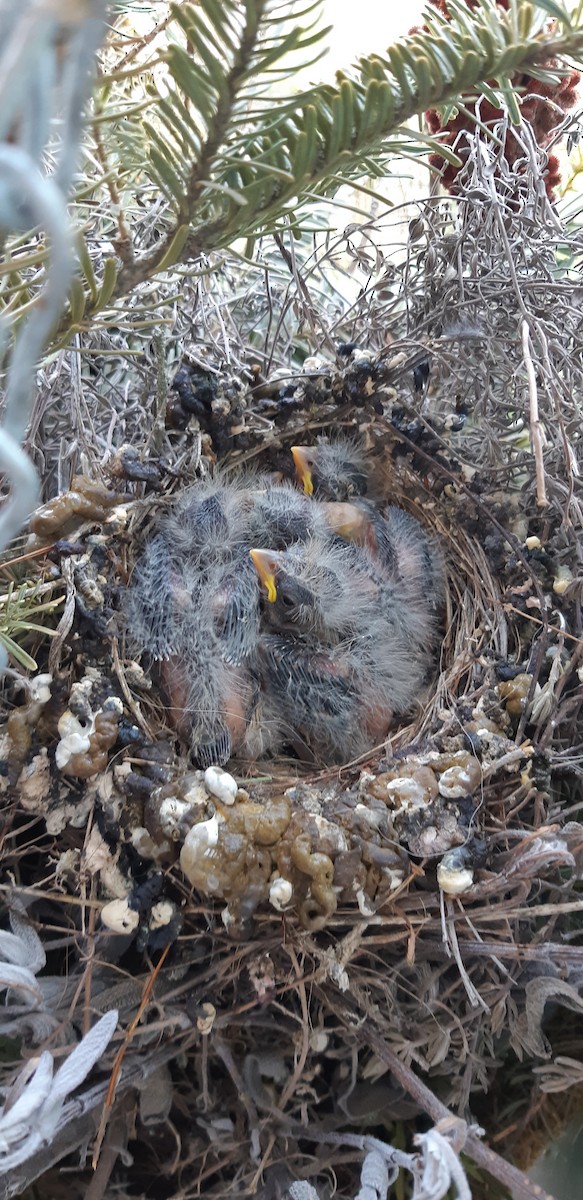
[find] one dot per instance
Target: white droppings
(312, 364)
(206, 1018)
(119, 917)
(74, 732)
(220, 784)
(40, 688)
(171, 812)
(194, 791)
(227, 918)
(459, 780)
(319, 1041)
(364, 904)
(202, 837)
(364, 358)
(407, 792)
(118, 517)
(563, 578)
(454, 881)
(197, 854)
(162, 914)
(280, 893)
(374, 817)
(333, 833)
(339, 975)
(75, 738)
(395, 877)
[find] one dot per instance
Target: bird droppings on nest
(87, 734)
(409, 915)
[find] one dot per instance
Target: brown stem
(516, 1181)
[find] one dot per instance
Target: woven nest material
(427, 952)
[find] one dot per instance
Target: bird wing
(235, 591)
(314, 691)
(156, 602)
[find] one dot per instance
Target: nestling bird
(215, 524)
(177, 612)
(194, 604)
(349, 648)
(335, 472)
(278, 618)
(332, 470)
(321, 587)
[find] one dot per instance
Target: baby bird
(153, 599)
(204, 540)
(282, 516)
(336, 473)
(310, 588)
(332, 470)
(209, 703)
(214, 524)
(341, 651)
(315, 706)
(194, 605)
(176, 611)
(406, 552)
(309, 639)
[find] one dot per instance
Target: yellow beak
(266, 566)
(302, 460)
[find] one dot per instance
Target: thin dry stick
(535, 426)
(516, 1181)
(294, 1079)
(117, 1065)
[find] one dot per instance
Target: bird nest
(424, 952)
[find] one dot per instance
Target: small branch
(118, 1061)
(519, 1186)
(535, 425)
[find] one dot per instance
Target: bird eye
(287, 601)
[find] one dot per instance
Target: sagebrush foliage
(194, 123)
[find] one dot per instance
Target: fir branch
(254, 168)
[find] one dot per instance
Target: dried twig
(535, 425)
